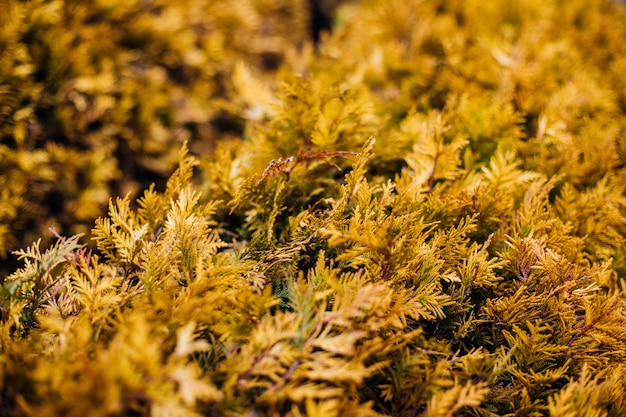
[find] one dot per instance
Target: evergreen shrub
(424, 214)
(97, 97)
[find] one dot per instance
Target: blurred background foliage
(96, 98)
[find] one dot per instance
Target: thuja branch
(439, 131)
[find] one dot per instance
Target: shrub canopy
(423, 214)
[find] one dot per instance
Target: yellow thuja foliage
(97, 97)
(423, 215)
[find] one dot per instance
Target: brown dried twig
(286, 165)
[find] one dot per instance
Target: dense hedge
(98, 96)
(421, 214)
